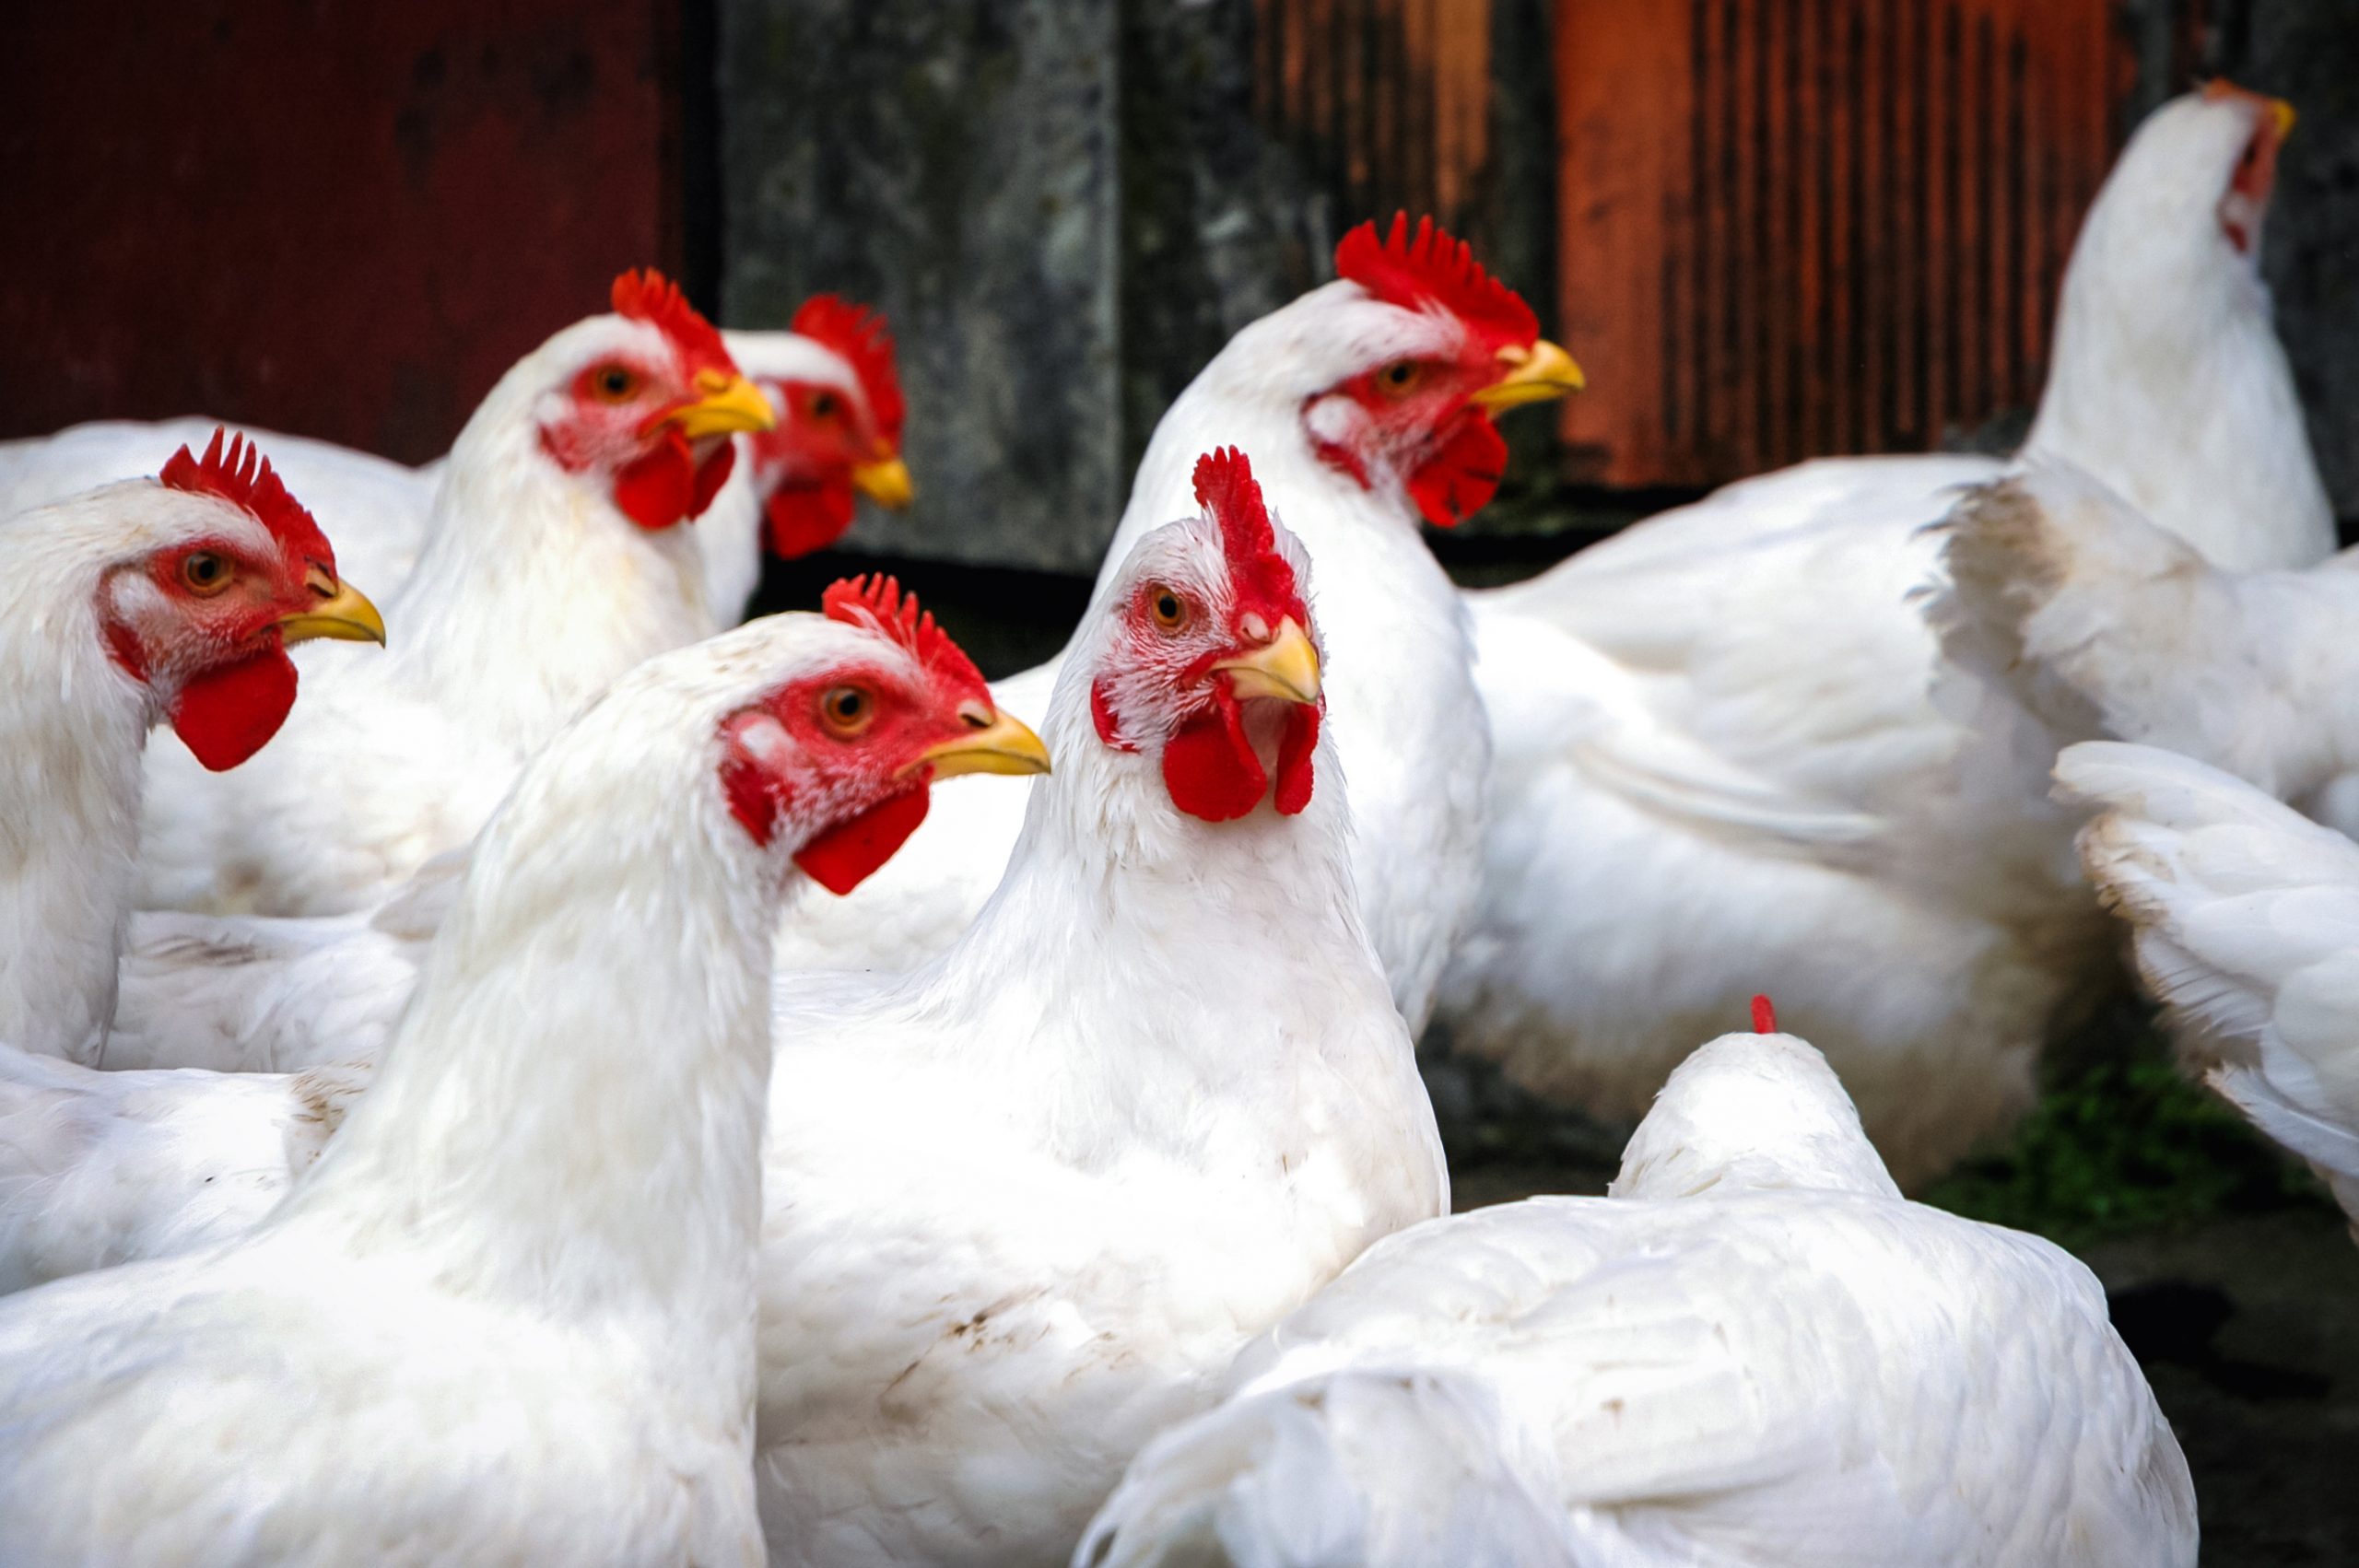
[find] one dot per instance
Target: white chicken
(2104, 624)
(2246, 922)
(556, 562)
(1365, 407)
(508, 1317)
(831, 379)
(1718, 759)
(1753, 1352)
(168, 600)
(98, 1168)
(1024, 1203)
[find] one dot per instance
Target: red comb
(1765, 1017)
(241, 476)
(859, 334)
(1226, 488)
(1433, 269)
(648, 296)
(877, 604)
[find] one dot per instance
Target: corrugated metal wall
(1387, 102)
(1797, 227)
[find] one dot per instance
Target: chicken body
(2105, 624)
(2246, 924)
(509, 1315)
(1744, 763)
(1290, 390)
(171, 600)
(1754, 1352)
(382, 511)
(535, 590)
(1026, 1203)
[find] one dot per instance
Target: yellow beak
(885, 481)
(730, 404)
(1539, 374)
(1286, 667)
(342, 613)
(2282, 112)
(995, 742)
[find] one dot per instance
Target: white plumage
(1752, 1353)
(375, 508)
(102, 636)
(509, 1317)
(2107, 625)
(380, 512)
(1024, 1204)
(1409, 727)
(1728, 755)
(533, 592)
(2246, 920)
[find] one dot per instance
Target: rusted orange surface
(1800, 226)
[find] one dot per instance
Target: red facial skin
(2246, 202)
(212, 653)
(1210, 768)
(1421, 423)
(619, 421)
(616, 424)
(864, 776)
(805, 466)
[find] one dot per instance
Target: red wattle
(756, 799)
(1101, 716)
(225, 716)
(1460, 480)
(711, 474)
(805, 517)
(847, 854)
(659, 488)
(1209, 767)
(1295, 746)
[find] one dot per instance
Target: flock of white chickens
(438, 1125)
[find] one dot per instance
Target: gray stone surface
(954, 165)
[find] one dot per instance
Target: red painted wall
(343, 220)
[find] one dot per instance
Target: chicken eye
(1401, 377)
(847, 710)
(613, 383)
(823, 407)
(1170, 611)
(204, 572)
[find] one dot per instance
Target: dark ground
(2232, 1277)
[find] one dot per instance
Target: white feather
(1754, 1352)
(1731, 758)
(2246, 920)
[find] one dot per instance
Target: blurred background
(1767, 228)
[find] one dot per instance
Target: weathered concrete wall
(954, 165)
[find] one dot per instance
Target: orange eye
(847, 710)
(205, 573)
(1401, 377)
(1170, 611)
(614, 383)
